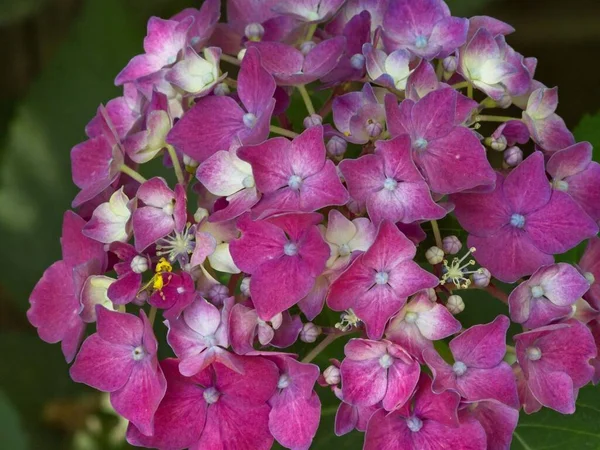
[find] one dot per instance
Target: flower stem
(494, 118)
(283, 132)
(436, 233)
(469, 89)
(323, 345)
(439, 71)
(152, 315)
(132, 173)
(230, 59)
(176, 164)
(311, 31)
(307, 101)
(496, 292)
(461, 85)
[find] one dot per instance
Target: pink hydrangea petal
(202, 317)
(238, 204)
(76, 247)
(468, 436)
(390, 248)
(138, 400)
(584, 188)
(499, 422)
(553, 390)
(526, 188)
(376, 306)
(255, 85)
(364, 382)
(287, 333)
(560, 225)
(364, 176)
(346, 418)
(383, 425)
(313, 303)
(307, 152)
(242, 323)
(242, 385)
(102, 364)
(402, 381)
(498, 253)
(322, 189)
(125, 288)
(570, 161)
(494, 383)
(293, 422)
(563, 284)
(482, 346)
(149, 225)
(433, 115)
(270, 163)
(324, 57)
(223, 173)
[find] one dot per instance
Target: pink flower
(284, 254)
(573, 171)
(295, 407)
(479, 372)
(129, 271)
(217, 408)
(309, 11)
(429, 421)
(378, 371)
(450, 157)
(162, 44)
(497, 419)
(590, 267)
(294, 176)
(522, 223)
(120, 358)
(199, 337)
(419, 323)
(379, 281)
(359, 115)
(56, 306)
(204, 24)
(111, 221)
(555, 361)
(424, 27)
(547, 296)
(218, 122)
(390, 185)
(163, 212)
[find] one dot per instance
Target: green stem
(461, 85)
(487, 103)
(311, 31)
(152, 315)
(323, 345)
(283, 132)
(494, 118)
(469, 90)
(176, 164)
(439, 71)
(230, 59)
(307, 101)
(496, 292)
(132, 173)
(436, 233)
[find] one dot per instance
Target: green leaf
(548, 429)
(12, 433)
(35, 181)
(589, 130)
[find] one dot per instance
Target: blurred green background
(59, 58)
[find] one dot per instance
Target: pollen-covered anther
(348, 321)
(457, 271)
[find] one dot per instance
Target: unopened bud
(374, 129)
(589, 276)
(218, 293)
(431, 294)
(513, 156)
(241, 54)
(222, 89)
(504, 102)
(200, 214)
(307, 46)
(434, 255)
(254, 31)
(450, 65)
(451, 245)
(482, 277)
(336, 146)
(455, 304)
(310, 332)
(314, 120)
(332, 375)
(190, 162)
(498, 144)
(357, 61)
(245, 287)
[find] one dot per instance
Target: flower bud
(374, 129)
(450, 65)
(222, 89)
(336, 146)
(190, 162)
(455, 304)
(314, 120)
(451, 245)
(139, 264)
(434, 255)
(254, 31)
(307, 46)
(245, 287)
(200, 214)
(218, 293)
(331, 375)
(504, 102)
(482, 277)
(589, 276)
(357, 61)
(431, 294)
(513, 156)
(310, 332)
(241, 54)
(496, 144)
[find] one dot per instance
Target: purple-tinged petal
(293, 420)
(324, 57)
(526, 188)
(313, 303)
(287, 333)
(560, 225)
(270, 163)
(570, 161)
(149, 225)
(584, 188)
(243, 322)
(498, 420)
(76, 247)
(433, 115)
(496, 383)
(255, 85)
(110, 221)
(482, 346)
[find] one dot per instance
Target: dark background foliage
(59, 58)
